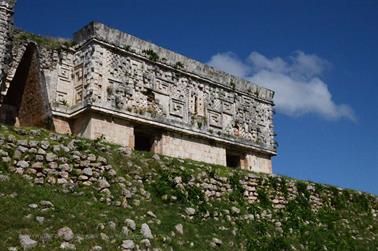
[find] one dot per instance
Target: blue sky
(320, 56)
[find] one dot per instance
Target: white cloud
(231, 62)
(296, 81)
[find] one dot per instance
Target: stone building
(106, 83)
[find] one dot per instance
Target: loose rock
(67, 246)
(216, 242)
(96, 248)
(190, 211)
(22, 164)
(3, 178)
(65, 233)
(131, 224)
(179, 229)
(146, 231)
(40, 219)
(146, 243)
(103, 183)
(128, 244)
(26, 242)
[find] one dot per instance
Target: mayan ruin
(107, 83)
(111, 141)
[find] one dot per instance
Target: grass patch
(347, 220)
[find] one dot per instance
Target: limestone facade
(182, 146)
(110, 84)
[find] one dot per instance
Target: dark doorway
(232, 160)
(26, 102)
(143, 141)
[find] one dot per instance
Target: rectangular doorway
(145, 138)
(233, 159)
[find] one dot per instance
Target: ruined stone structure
(106, 83)
(6, 28)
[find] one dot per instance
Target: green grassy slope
(157, 190)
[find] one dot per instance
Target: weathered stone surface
(146, 231)
(87, 171)
(46, 238)
(40, 219)
(103, 183)
(179, 229)
(33, 206)
(4, 177)
(235, 210)
(26, 242)
(67, 246)
(190, 211)
(96, 248)
(128, 244)
(65, 233)
(145, 243)
(23, 164)
(50, 157)
(125, 230)
(216, 242)
(131, 224)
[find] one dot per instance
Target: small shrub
(274, 183)
(338, 200)
(195, 195)
(109, 90)
(97, 141)
(232, 84)
(179, 65)
(284, 188)
(265, 202)
(278, 243)
(52, 43)
(81, 145)
(253, 209)
(64, 102)
(211, 172)
(300, 207)
(361, 201)
(151, 55)
(237, 193)
(302, 189)
(319, 188)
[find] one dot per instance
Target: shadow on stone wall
(26, 102)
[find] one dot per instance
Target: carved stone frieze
(137, 86)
